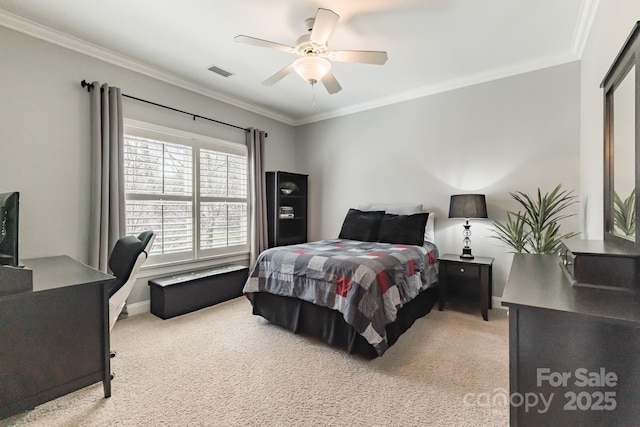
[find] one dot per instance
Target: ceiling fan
(312, 50)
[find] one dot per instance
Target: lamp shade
(468, 206)
(311, 68)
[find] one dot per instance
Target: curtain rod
(89, 86)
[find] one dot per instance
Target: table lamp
(467, 206)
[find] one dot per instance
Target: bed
(360, 291)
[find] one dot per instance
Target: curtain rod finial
(84, 83)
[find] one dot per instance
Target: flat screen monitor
(9, 211)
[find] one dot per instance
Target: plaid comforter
(365, 281)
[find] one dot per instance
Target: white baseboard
(139, 307)
(496, 302)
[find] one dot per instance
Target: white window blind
(223, 194)
(191, 190)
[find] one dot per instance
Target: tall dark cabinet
(286, 208)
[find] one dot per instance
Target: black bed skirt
(302, 317)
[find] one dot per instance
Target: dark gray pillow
(361, 225)
(403, 229)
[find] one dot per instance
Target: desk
(55, 339)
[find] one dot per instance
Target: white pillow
(429, 229)
(392, 208)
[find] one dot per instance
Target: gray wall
(44, 136)
(516, 133)
(512, 134)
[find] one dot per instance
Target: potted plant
(624, 213)
(536, 228)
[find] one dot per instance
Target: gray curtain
(107, 222)
(258, 193)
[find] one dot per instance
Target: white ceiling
(433, 45)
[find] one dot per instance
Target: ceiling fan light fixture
(312, 68)
(313, 51)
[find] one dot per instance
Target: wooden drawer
(598, 264)
(461, 270)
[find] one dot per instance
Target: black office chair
(128, 254)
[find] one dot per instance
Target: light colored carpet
(223, 366)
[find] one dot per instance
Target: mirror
(624, 158)
(621, 124)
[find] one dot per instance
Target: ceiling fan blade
(264, 43)
(362, 56)
(323, 25)
(278, 76)
(330, 83)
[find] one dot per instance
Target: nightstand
(471, 276)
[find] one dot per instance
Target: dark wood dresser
(576, 348)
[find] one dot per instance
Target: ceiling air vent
(220, 71)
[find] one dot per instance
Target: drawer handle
(461, 270)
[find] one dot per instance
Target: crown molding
(445, 86)
(47, 34)
(588, 9)
(587, 14)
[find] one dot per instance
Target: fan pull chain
(313, 91)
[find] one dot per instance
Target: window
(190, 189)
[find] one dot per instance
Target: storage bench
(186, 292)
